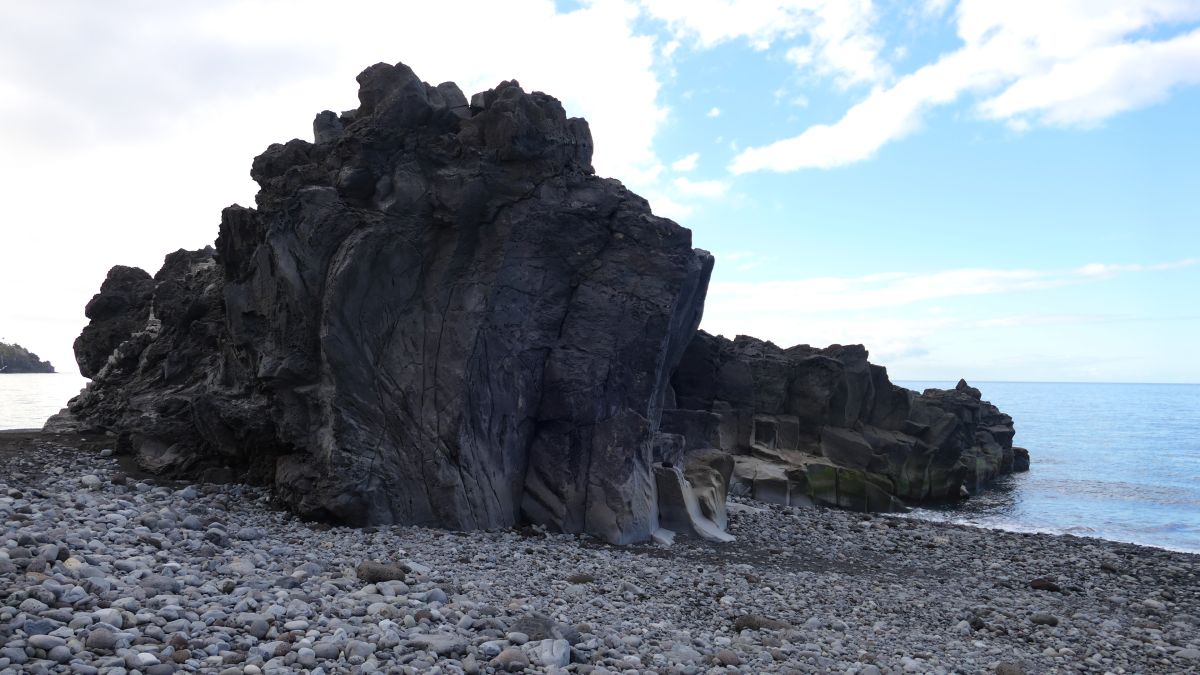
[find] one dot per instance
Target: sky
(979, 189)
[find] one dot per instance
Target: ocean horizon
(28, 399)
(1116, 461)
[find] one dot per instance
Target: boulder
(374, 571)
(436, 314)
(1020, 459)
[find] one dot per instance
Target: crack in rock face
(436, 314)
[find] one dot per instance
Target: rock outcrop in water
(17, 359)
(825, 426)
(437, 314)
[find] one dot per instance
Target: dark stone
(258, 628)
(757, 622)
(372, 571)
(1043, 619)
(157, 584)
(1045, 584)
(727, 657)
(40, 626)
(101, 640)
(541, 627)
(437, 314)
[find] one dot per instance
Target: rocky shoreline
(103, 571)
(437, 314)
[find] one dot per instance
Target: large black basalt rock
(437, 314)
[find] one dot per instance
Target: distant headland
(16, 359)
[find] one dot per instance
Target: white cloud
(787, 311)
(1063, 63)
(668, 207)
(912, 324)
(1042, 320)
(714, 112)
(148, 111)
(1101, 83)
(125, 70)
(687, 163)
(799, 56)
(840, 33)
(884, 116)
(1108, 270)
(742, 261)
(848, 50)
(710, 189)
(935, 7)
(893, 289)
(736, 255)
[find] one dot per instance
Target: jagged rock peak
(967, 389)
(397, 109)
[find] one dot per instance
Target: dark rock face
(17, 359)
(826, 426)
(437, 314)
(172, 389)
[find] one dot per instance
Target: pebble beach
(105, 570)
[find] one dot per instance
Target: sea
(27, 399)
(1113, 461)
